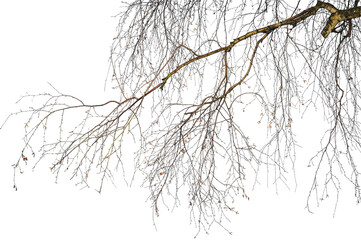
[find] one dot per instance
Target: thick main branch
(336, 17)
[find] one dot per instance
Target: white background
(68, 43)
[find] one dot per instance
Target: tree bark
(337, 16)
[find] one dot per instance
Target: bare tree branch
(221, 67)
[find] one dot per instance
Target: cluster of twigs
(192, 76)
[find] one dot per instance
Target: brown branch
(336, 17)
